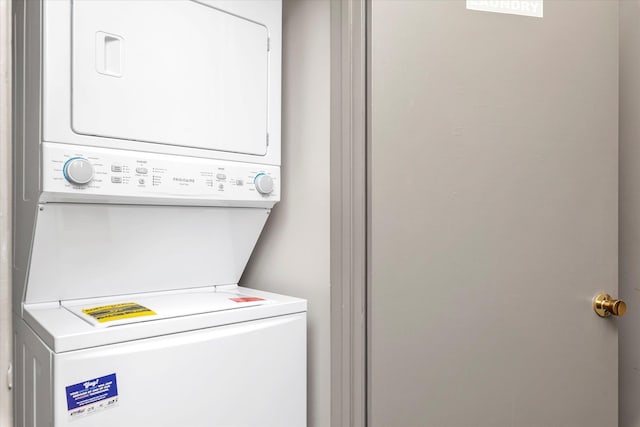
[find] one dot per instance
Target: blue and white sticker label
(92, 396)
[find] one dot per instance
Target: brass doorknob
(605, 306)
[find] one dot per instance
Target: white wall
(629, 338)
(292, 256)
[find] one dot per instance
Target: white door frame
(349, 205)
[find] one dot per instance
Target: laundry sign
(513, 7)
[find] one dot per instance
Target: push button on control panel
(221, 176)
(116, 179)
(116, 168)
(141, 170)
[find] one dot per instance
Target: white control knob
(264, 183)
(78, 171)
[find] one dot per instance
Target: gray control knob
(264, 183)
(78, 171)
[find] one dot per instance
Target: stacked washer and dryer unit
(147, 153)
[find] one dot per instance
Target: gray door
(494, 171)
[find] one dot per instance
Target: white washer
(223, 357)
(147, 161)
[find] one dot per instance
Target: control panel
(122, 175)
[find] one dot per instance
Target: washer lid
(127, 309)
(65, 327)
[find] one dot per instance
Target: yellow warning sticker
(125, 310)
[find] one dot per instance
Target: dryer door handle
(109, 54)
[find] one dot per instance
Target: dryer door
(191, 76)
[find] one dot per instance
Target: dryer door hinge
(268, 44)
(267, 139)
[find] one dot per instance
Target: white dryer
(147, 161)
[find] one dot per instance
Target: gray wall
(629, 367)
(5, 210)
(292, 256)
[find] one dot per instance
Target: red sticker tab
(247, 299)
